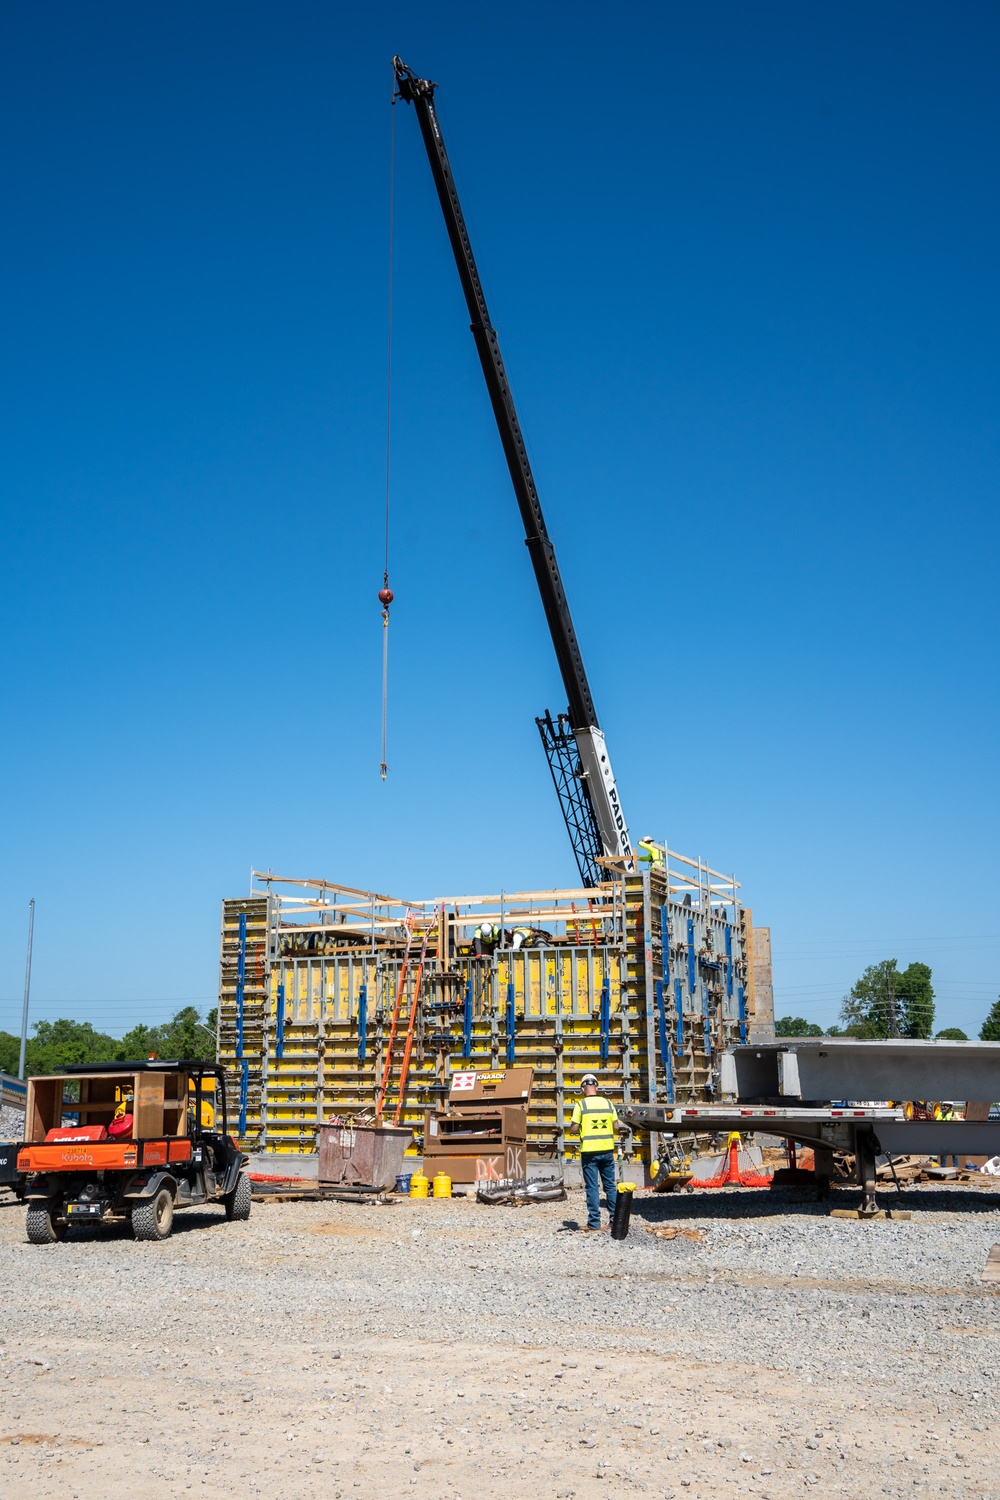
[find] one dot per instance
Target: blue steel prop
(467, 1020)
(279, 1024)
(510, 1023)
(362, 1023)
(244, 1083)
(605, 1019)
(729, 961)
(664, 993)
(679, 1005)
(241, 974)
(662, 990)
(742, 1004)
(691, 961)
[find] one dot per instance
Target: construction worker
(652, 852)
(595, 1122)
(484, 939)
(530, 937)
(947, 1111)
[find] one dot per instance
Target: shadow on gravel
(188, 1222)
(192, 1219)
(737, 1203)
(768, 1203)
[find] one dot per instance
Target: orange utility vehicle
(128, 1140)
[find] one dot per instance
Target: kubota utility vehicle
(128, 1140)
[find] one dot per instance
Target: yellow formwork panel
(326, 989)
(554, 982)
(350, 1087)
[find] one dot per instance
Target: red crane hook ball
(385, 597)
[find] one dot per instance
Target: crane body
(574, 742)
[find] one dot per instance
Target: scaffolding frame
(644, 977)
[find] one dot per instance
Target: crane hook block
(385, 597)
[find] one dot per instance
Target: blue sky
(743, 265)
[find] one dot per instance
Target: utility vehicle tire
(153, 1218)
(238, 1201)
(42, 1228)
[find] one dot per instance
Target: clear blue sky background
(743, 261)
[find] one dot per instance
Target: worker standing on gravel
(595, 1122)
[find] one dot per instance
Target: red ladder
(408, 1047)
(387, 1068)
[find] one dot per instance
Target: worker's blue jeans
(598, 1169)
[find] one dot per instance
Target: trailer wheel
(238, 1201)
(42, 1227)
(153, 1218)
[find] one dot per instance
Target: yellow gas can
(442, 1185)
(419, 1184)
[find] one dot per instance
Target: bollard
(623, 1211)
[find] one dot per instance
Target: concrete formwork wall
(648, 1008)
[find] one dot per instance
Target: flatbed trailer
(856, 1129)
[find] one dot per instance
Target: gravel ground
(442, 1349)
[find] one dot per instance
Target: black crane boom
(608, 833)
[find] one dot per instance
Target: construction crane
(574, 741)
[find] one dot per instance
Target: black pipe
(623, 1211)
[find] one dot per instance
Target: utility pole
(890, 997)
(27, 988)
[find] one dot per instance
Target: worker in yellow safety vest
(485, 938)
(595, 1121)
(652, 852)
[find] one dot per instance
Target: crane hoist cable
(385, 594)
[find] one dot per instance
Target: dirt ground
(447, 1350)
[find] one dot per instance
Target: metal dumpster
(368, 1156)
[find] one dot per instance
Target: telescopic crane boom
(574, 742)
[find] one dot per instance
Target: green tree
(136, 1045)
(10, 1052)
(796, 1026)
(951, 1034)
(887, 1003)
(990, 1029)
(186, 1036)
(915, 995)
(870, 1008)
(58, 1044)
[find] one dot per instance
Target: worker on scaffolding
(652, 852)
(485, 939)
(594, 1120)
(529, 937)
